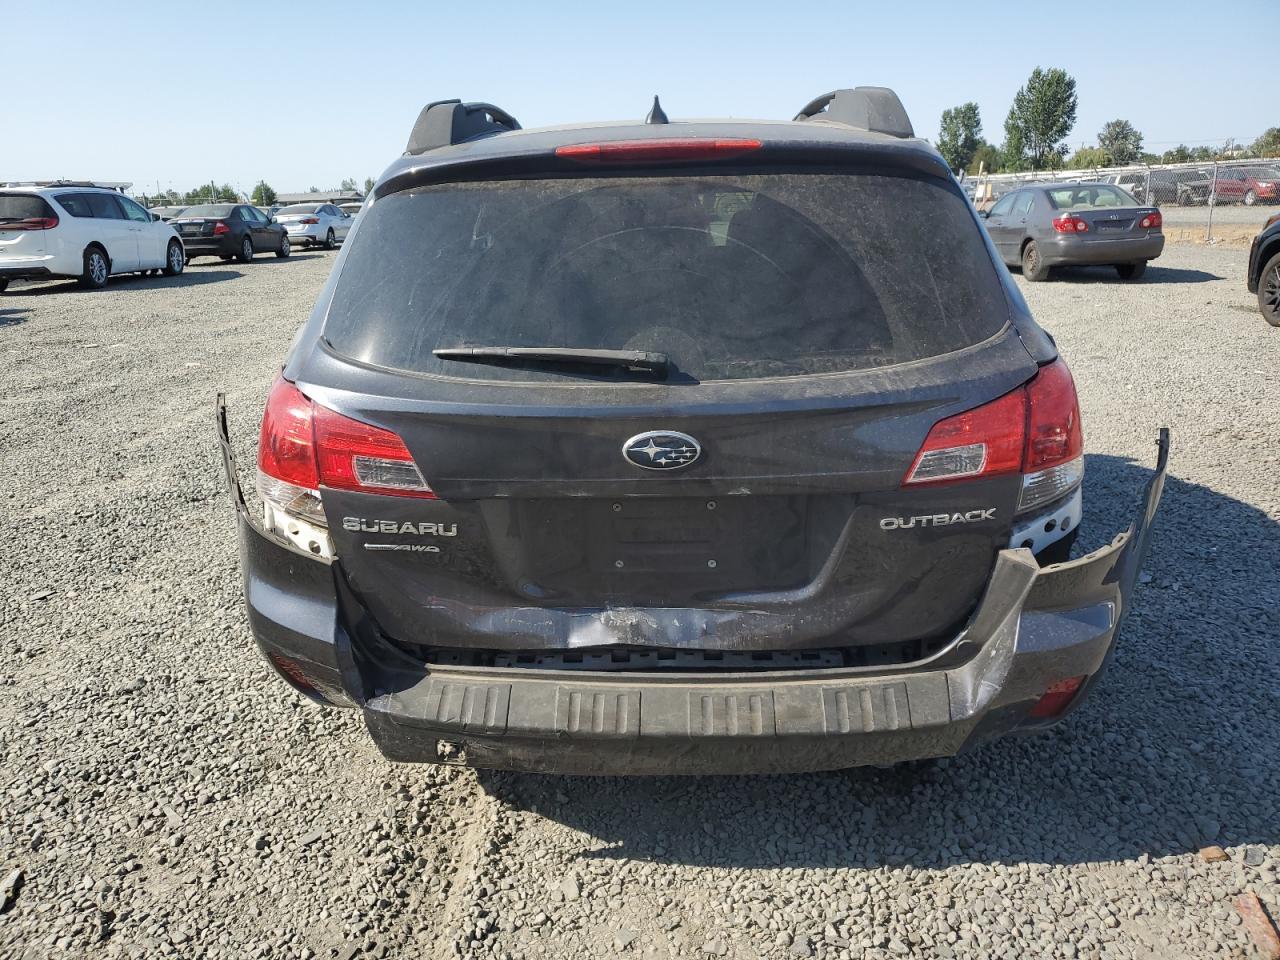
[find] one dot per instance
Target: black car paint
(855, 434)
(265, 237)
(1264, 246)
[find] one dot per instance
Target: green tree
(960, 136)
(1042, 115)
(1179, 154)
(313, 189)
(1267, 145)
(263, 195)
(1122, 143)
(348, 183)
(986, 158)
(368, 185)
(1086, 158)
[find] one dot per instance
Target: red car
(1247, 185)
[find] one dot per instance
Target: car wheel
(284, 248)
(1033, 266)
(1131, 271)
(329, 243)
(246, 250)
(96, 269)
(175, 260)
(1269, 291)
(1250, 198)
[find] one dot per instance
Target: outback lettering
(422, 529)
(937, 519)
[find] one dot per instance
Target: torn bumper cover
(1034, 627)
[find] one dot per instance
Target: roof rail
(876, 109)
(118, 185)
(446, 122)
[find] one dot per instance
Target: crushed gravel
(161, 795)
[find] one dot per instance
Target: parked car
(1181, 187)
(315, 224)
(677, 448)
(1133, 183)
(166, 213)
(1059, 224)
(230, 230)
(1263, 276)
(351, 207)
(1247, 185)
(81, 231)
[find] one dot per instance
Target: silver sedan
(314, 224)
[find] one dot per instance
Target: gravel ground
(164, 796)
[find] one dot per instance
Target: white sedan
(314, 224)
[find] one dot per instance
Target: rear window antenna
(656, 113)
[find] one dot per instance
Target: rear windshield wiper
(626, 359)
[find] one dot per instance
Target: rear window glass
(730, 276)
(22, 206)
(1093, 196)
(298, 208)
(209, 210)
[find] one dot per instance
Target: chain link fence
(1213, 201)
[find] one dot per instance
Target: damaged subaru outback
(677, 448)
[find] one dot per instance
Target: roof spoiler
(876, 109)
(446, 122)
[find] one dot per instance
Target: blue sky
(305, 94)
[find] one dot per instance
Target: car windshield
(297, 208)
(1090, 196)
(731, 276)
(209, 210)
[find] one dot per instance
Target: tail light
(1057, 698)
(220, 228)
(1034, 430)
(1152, 221)
(658, 151)
(31, 223)
(304, 446)
(1069, 223)
(309, 220)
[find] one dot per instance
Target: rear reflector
(1057, 698)
(658, 151)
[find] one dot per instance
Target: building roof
(324, 196)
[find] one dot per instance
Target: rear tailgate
(813, 342)
(19, 240)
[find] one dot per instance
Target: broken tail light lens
(1033, 430)
(1057, 698)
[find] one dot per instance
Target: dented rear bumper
(1033, 628)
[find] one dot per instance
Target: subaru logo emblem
(661, 450)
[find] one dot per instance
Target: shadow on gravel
(126, 282)
(1108, 275)
(11, 318)
(1176, 749)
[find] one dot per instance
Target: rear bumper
(1064, 251)
(310, 234)
(225, 246)
(1034, 627)
(27, 269)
